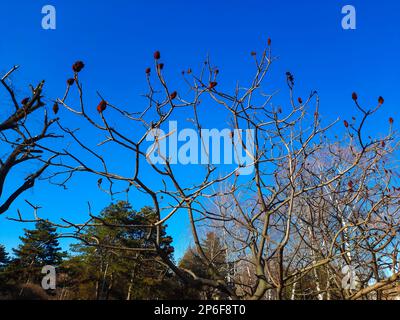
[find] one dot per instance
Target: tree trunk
(130, 287)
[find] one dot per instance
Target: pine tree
(39, 248)
(122, 274)
(4, 260)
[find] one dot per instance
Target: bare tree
(22, 143)
(312, 203)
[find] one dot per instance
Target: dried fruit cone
(102, 106)
(212, 85)
(55, 108)
(78, 66)
(173, 95)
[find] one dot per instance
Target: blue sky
(116, 39)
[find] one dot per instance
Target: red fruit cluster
(269, 41)
(173, 95)
(381, 100)
(354, 96)
(102, 106)
(212, 85)
(350, 184)
(300, 100)
(346, 124)
(55, 108)
(391, 120)
(78, 66)
(157, 55)
(70, 81)
(148, 70)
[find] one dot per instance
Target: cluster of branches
(314, 203)
(22, 142)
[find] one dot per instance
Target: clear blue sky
(116, 39)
